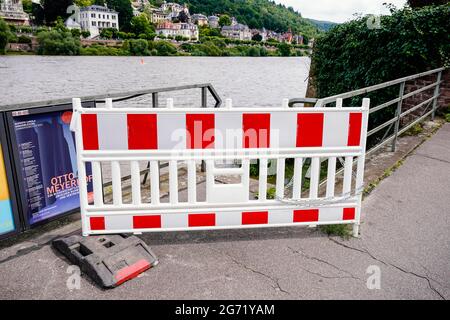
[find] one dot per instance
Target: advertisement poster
(6, 214)
(47, 154)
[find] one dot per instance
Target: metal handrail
(322, 102)
(399, 100)
(331, 99)
(121, 96)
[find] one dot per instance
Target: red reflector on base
(202, 220)
(255, 217)
(348, 214)
(306, 215)
(131, 272)
(97, 223)
(146, 222)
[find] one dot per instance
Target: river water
(250, 82)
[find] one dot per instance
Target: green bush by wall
(357, 54)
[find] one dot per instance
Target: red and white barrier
(113, 135)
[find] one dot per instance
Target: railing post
(398, 113)
(155, 99)
(436, 94)
(204, 105)
(204, 97)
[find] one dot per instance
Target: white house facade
(12, 12)
(95, 18)
(187, 30)
(237, 31)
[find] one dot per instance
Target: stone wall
(444, 98)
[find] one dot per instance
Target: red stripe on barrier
(256, 127)
(89, 129)
(146, 222)
(131, 272)
(200, 131)
(202, 220)
(354, 129)
(348, 214)
(97, 223)
(308, 215)
(255, 217)
(309, 129)
(142, 131)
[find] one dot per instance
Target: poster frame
(15, 159)
(10, 178)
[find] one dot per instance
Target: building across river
(12, 12)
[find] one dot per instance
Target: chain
(319, 202)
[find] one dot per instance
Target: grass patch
(447, 117)
(341, 230)
(414, 130)
(386, 173)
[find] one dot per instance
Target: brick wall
(444, 98)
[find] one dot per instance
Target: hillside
(323, 25)
(255, 13)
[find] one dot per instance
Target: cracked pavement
(405, 232)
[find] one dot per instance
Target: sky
(339, 10)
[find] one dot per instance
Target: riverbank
(212, 47)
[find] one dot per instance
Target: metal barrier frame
(96, 157)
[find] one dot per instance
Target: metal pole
(398, 113)
(204, 105)
(436, 94)
(204, 97)
(155, 99)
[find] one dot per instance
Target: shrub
(254, 52)
(284, 49)
(98, 50)
(165, 48)
(138, 47)
(24, 39)
(352, 56)
(85, 34)
(76, 33)
(5, 36)
(58, 42)
(263, 52)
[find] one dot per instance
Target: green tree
(284, 49)
(257, 37)
(27, 6)
(5, 36)
(58, 42)
(54, 9)
(351, 56)
(424, 3)
(165, 48)
(76, 33)
(108, 33)
(257, 14)
(85, 34)
(183, 17)
(138, 47)
(254, 52)
(123, 7)
(141, 25)
(224, 20)
(83, 3)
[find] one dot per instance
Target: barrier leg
(356, 230)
